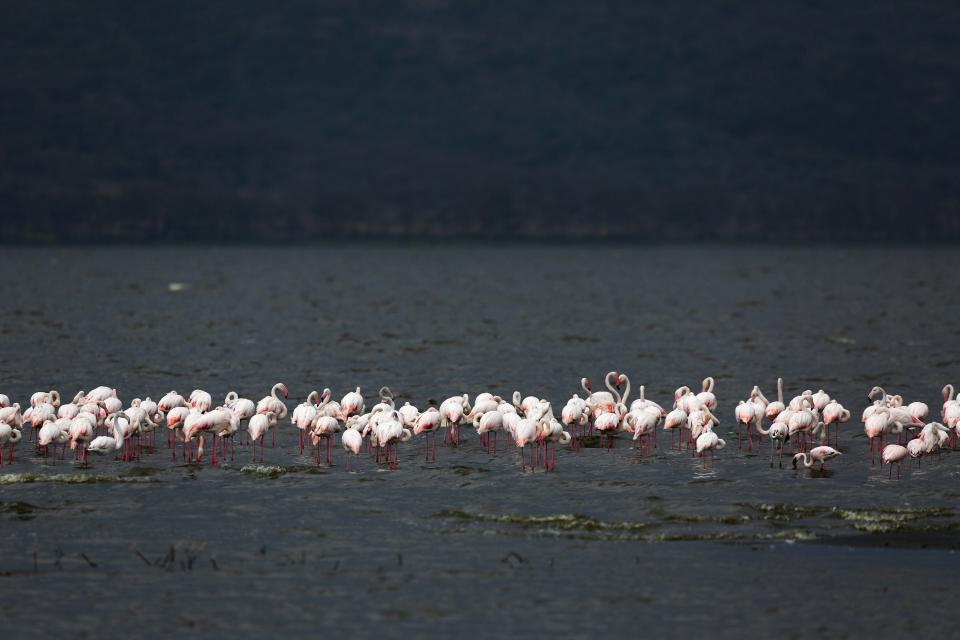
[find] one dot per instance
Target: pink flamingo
(452, 413)
(171, 400)
(894, 454)
(257, 427)
(746, 415)
(709, 441)
(488, 425)
(8, 437)
(834, 414)
(676, 421)
(273, 404)
(324, 429)
(352, 441)
(776, 407)
(818, 454)
(526, 433)
(706, 396)
(428, 422)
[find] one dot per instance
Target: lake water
(613, 542)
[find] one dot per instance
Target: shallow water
(471, 544)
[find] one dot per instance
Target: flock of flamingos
(809, 423)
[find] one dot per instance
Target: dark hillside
(304, 120)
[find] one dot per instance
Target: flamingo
(175, 419)
(950, 411)
(874, 427)
(390, 434)
(106, 444)
(933, 436)
(123, 425)
(687, 400)
(352, 441)
(53, 432)
(609, 422)
(171, 400)
(225, 429)
(11, 415)
(409, 414)
(304, 414)
(68, 410)
(221, 423)
(525, 433)
(142, 423)
(775, 408)
(601, 401)
(676, 420)
(257, 427)
(40, 414)
(387, 400)
(706, 396)
(483, 403)
(525, 404)
(45, 397)
(918, 410)
(779, 433)
(623, 381)
(820, 399)
(151, 407)
(452, 412)
(575, 414)
(746, 414)
(835, 414)
(488, 425)
(323, 429)
(804, 419)
(428, 422)
(797, 402)
(200, 400)
(9, 436)
(108, 405)
(818, 454)
(894, 454)
(4, 401)
(273, 404)
(916, 449)
(709, 441)
(898, 416)
(946, 393)
(81, 432)
(352, 403)
(643, 403)
(549, 433)
(100, 394)
(644, 423)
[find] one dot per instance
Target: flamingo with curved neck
(817, 454)
(624, 380)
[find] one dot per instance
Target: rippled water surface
(614, 541)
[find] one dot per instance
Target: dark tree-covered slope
(303, 119)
